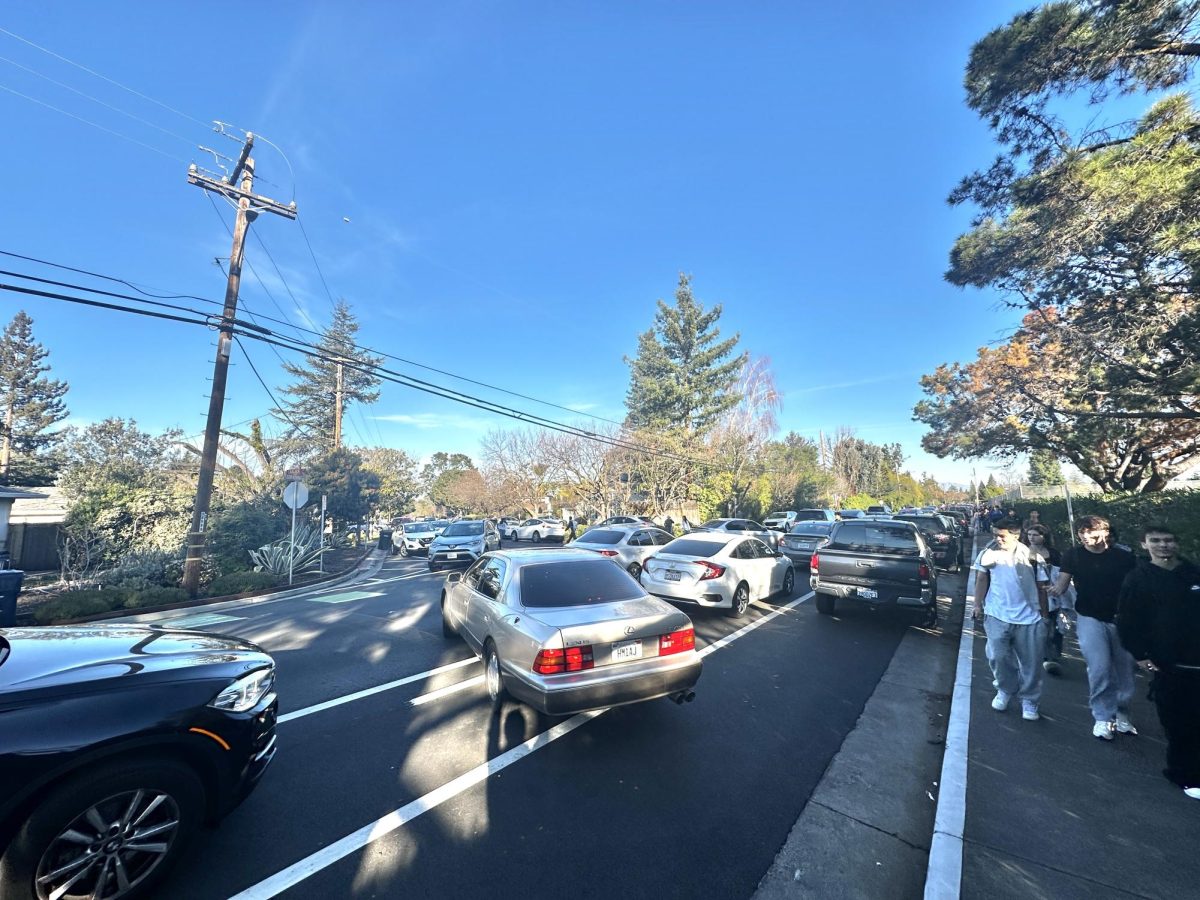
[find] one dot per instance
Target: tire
(111, 790)
(537, 537)
(789, 582)
(492, 678)
(447, 629)
(741, 602)
(513, 537)
(635, 571)
(403, 550)
(931, 618)
(826, 604)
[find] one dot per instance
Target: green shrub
(237, 529)
(139, 570)
(77, 604)
(240, 582)
(157, 596)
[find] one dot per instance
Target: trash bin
(10, 586)
(385, 539)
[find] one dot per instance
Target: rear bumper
(713, 598)
(561, 698)
(922, 599)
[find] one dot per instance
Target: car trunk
(625, 630)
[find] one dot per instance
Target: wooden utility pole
(337, 409)
(248, 206)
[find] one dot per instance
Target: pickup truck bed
(881, 563)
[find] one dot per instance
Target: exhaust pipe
(684, 697)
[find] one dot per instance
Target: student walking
(1048, 559)
(1158, 618)
(1013, 604)
(1097, 569)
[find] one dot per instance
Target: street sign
(294, 475)
(295, 495)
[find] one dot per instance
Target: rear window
(692, 547)
(928, 524)
(877, 537)
(580, 582)
(812, 528)
(811, 515)
(601, 536)
(714, 523)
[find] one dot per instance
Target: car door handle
(864, 564)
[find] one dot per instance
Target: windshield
(462, 529)
(418, 528)
(438, 526)
(601, 536)
(580, 582)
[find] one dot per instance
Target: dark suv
(943, 539)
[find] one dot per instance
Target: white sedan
(718, 570)
(536, 530)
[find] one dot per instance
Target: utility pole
(248, 206)
(337, 409)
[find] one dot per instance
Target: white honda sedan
(536, 530)
(718, 570)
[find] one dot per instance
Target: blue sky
(522, 182)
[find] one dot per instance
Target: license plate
(674, 576)
(623, 650)
(451, 556)
(868, 593)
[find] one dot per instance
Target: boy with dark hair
(1098, 568)
(1159, 622)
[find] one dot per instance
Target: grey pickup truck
(881, 562)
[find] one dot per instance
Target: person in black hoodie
(1158, 619)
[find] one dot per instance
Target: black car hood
(75, 654)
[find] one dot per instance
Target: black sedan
(116, 743)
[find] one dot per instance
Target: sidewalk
(1052, 812)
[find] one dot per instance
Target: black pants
(1177, 696)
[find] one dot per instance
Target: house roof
(47, 505)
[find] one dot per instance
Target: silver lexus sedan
(566, 631)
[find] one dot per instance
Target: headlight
(245, 693)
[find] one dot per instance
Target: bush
(77, 604)
(240, 582)
(158, 596)
(239, 528)
(139, 570)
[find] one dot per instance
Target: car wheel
(513, 537)
(403, 550)
(789, 582)
(447, 629)
(741, 602)
(112, 832)
(931, 617)
(826, 604)
(537, 537)
(635, 570)
(492, 677)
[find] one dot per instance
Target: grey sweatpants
(1015, 654)
(1109, 668)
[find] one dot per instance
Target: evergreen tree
(32, 404)
(352, 489)
(683, 376)
(310, 411)
(1044, 468)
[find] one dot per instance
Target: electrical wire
(328, 293)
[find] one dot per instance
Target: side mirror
(454, 578)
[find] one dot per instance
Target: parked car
(816, 515)
(741, 527)
(505, 523)
(438, 526)
(881, 509)
(462, 543)
(629, 520)
(850, 513)
(941, 537)
(882, 562)
(413, 537)
(626, 545)
(117, 743)
(803, 538)
(537, 530)
(565, 631)
(719, 570)
(781, 521)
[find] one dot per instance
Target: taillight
(677, 642)
(711, 570)
(646, 563)
(554, 662)
(923, 571)
(607, 552)
(812, 564)
(941, 538)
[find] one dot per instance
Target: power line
(328, 293)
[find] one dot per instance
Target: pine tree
(32, 404)
(1044, 468)
(683, 376)
(310, 411)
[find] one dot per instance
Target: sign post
(295, 495)
(324, 498)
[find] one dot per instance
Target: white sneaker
(1000, 701)
(1194, 793)
(1029, 711)
(1103, 730)
(1122, 725)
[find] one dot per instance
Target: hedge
(240, 582)
(1128, 513)
(158, 596)
(77, 604)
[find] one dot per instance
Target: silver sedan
(567, 631)
(624, 544)
(742, 527)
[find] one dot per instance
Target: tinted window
(876, 536)
(928, 524)
(812, 528)
(714, 523)
(761, 550)
(692, 547)
(640, 539)
(744, 550)
(491, 578)
(810, 515)
(661, 538)
(471, 576)
(602, 536)
(464, 529)
(576, 583)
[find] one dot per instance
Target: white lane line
(368, 834)
(943, 877)
(446, 691)
(378, 689)
(198, 621)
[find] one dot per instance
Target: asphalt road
(418, 789)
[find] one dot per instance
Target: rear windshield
(812, 528)
(778, 515)
(580, 582)
(601, 536)
(816, 514)
(458, 529)
(929, 524)
(876, 536)
(692, 547)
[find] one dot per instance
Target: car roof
(519, 558)
(624, 526)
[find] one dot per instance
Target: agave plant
(302, 553)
